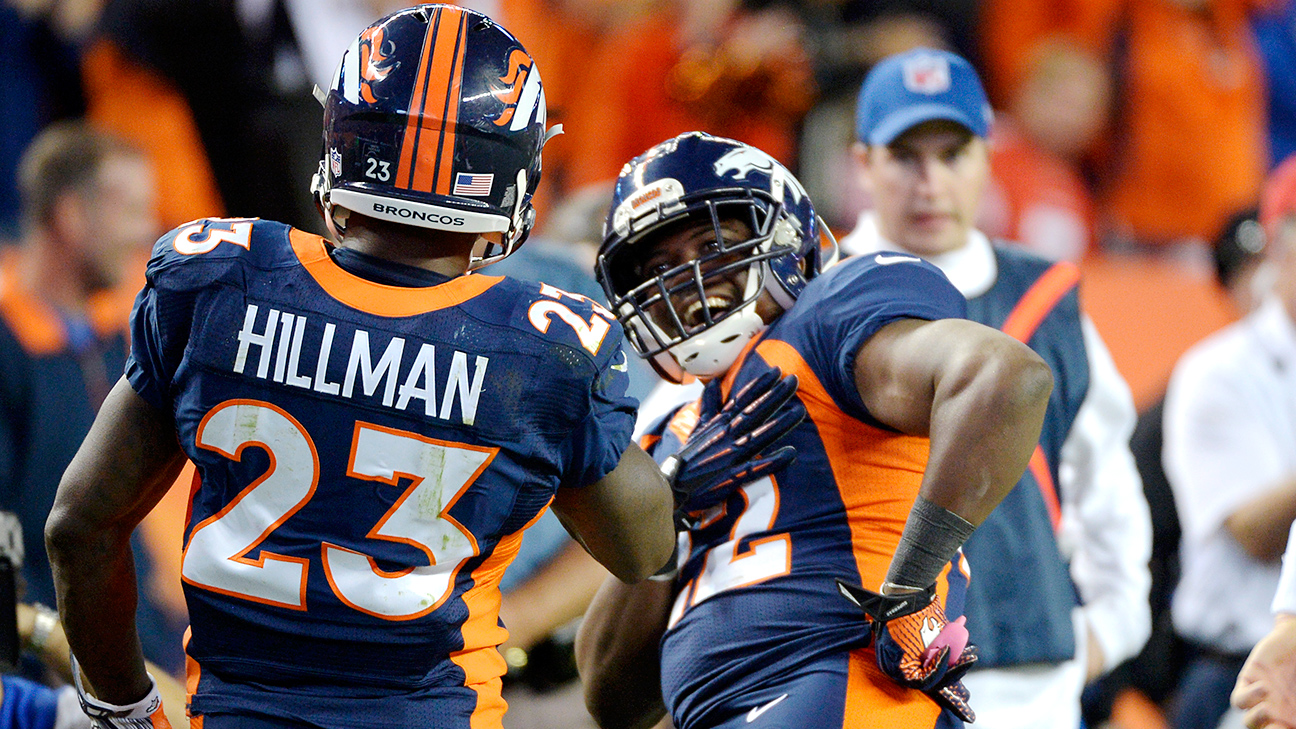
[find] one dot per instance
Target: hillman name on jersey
(463, 384)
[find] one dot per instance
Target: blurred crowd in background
(1132, 137)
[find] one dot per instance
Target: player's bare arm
(623, 519)
(977, 393)
(617, 653)
(126, 464)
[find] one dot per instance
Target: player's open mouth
(694, 315)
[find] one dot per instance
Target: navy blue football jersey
(758, 602)
(367, 455)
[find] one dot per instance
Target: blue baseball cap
(916, 86)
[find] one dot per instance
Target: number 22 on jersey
(730, 565)
(216, 556)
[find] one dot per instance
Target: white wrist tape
(127, 715)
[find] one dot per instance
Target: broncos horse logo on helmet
(418, 129)
(699, 176)
(375, 61)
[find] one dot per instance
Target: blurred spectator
(1188, 144)
(1191, 146)
(1037, 196)
(844, 38)
(1230, 420)
(677, 66)
(1135, 692)
(1011, 31)
(1275, 32)
(58, 66)
(1058, 594)
(1239, 261)
(237, 65)
(42, 84)
(25, 704)
(88, 219)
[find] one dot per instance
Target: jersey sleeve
(598, 441)
(184, 261)
(858, 298)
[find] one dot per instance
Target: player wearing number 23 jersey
(373, 421)
(366, 462)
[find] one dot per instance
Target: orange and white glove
(916, 646)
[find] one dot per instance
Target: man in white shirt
(1059, 588)
(1256, 360)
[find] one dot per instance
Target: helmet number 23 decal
(589, 333)
(377, 169)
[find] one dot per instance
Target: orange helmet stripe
(436, 96)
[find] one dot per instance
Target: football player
(820, 595)
(373, 425)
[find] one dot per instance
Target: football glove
(722, 452)
(143, 714)
(916, 646)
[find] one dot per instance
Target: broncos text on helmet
(435, 118)
(696, 176)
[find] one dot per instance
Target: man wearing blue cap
(1060, 579)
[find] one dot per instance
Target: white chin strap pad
(713, 352)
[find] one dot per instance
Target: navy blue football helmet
(699, 177)
(435, 118)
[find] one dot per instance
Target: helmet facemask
(695, 318)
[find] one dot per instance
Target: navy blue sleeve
(843, 308)
(153, 357)
(598, 442)
(184, 261)
(146, 368)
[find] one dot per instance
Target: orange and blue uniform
(759, 635)
(370, 441)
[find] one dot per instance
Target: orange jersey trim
(873, 700)
(1039, 468)
(877, 472)
(380, 299)
(482, 664)
(1040, 299)
(1021, 324)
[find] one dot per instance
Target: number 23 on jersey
(216, 556)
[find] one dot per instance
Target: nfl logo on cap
(921, 85)
(927, 74)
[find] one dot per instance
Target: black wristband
(931, 538)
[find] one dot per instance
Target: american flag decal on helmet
(472, 185)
